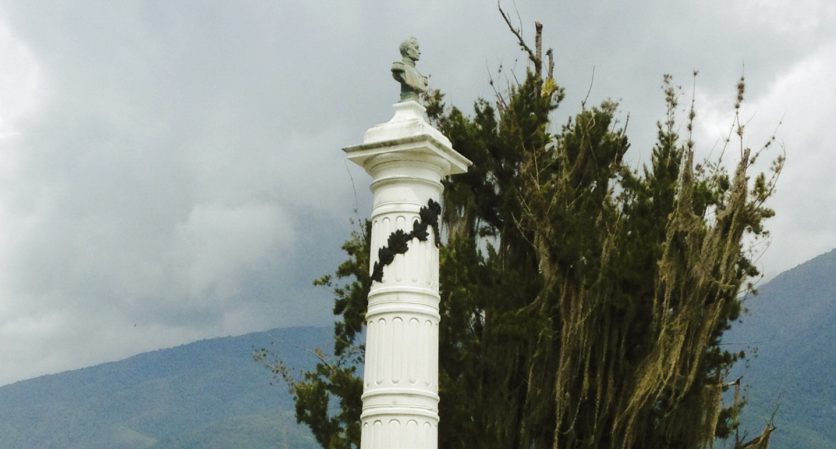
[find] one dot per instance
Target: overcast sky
(171, 170)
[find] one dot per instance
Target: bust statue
(412, 82)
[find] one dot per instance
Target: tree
(583, 301)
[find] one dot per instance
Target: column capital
(408, 136)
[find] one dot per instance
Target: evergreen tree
(582, 301)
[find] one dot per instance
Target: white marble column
(407, 158)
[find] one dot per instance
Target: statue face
(412, 50)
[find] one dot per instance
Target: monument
(407, 159)
(413, 84)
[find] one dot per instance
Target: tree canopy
(582, 300)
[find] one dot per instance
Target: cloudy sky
(171, 170)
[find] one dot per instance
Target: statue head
(404, 71)
(410, 50)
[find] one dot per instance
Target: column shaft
(407, 159)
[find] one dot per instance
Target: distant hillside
(211, 394)
(792, 323)
(204, 395)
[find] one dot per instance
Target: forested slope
(208, 394)
(790, 335)
(211, 394)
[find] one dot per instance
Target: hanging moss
(616, 285)
(582, 301)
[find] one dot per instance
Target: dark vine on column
(398, 241)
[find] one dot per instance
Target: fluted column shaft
(407, 160)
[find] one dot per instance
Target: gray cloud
(171, 170)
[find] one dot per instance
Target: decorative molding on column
(398, 241)
(410, 134)
(407, 159)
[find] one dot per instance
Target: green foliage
(582, 301)
(335, 425)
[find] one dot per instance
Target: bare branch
(692, 111)
(538, 45)
(500, 100)
(531, 55)
(550, 55)
(589, 90)
(519, 17)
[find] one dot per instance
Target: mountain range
(789, 333)
(208, 394)
(212, 394)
